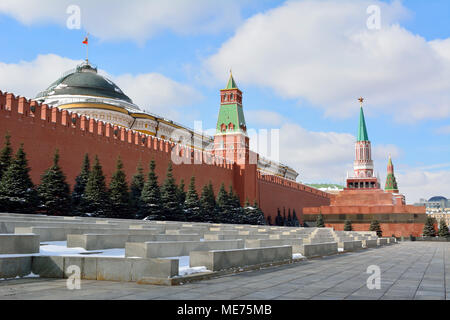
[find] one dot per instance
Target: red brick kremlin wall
(43, 129)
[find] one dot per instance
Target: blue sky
(192, 55)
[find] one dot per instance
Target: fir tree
(258, 216)
(246, 216)
(443, 229)
(169, 197)
(284, 217)
(375, 226)
(118, 193)
(5, 155)
(224, 206)
(136, 187)
(151, 196)
(428, 228)
(17, 191)
(208, 203)
(295, 219)
(181, 193)
(192, 203)
(54, 192)
(289, 219)
(319, 222)
(234, 198)
(96, 195)
(237, 214)
(78, 203)
(348, 225)
(279, 218)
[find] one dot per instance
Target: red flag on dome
(85, 40)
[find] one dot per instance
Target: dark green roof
(84, 80)
(362, 131)
(391, 182)
(231, 83)
(231, 113)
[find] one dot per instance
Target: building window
(223, 127)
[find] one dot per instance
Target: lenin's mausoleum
(84, 112)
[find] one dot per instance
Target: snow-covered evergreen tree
(54, 191)
(443, 229)
(169, 197)
(96, 195)
(5, 155)
(79, 205)
(151, 196)
(319, 222)
(208, 203)
(192, 205)
(428, 228)
(118, 193)
(375, 226)
(181, 193)
(348, 225)
(17, 191)
(136, 187)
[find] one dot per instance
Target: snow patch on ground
(340, 249)
(297, 256)
(59, 248)
(31, 275)
(183, 266)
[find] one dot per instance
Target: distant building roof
(437, 199)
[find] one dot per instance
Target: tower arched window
(231, 97)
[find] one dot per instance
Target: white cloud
(158, 94)
(418, 184)
(264, 117)
(323, 52)
(137, 20)
(27, 78)
(152, 92)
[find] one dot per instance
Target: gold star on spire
(361, 100)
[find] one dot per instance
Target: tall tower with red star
(363, 174)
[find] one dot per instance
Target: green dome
(84, 81)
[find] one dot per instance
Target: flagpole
(87, 49)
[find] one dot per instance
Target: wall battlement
(21, 107)
(291, 184)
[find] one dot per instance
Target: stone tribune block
(114, 269)
(19, 243)
(48, 267)
(15, 266)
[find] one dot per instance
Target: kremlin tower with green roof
(391, 182)
(231, 140)
(363, 173)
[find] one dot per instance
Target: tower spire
(391, 182)
(231, 83)
(362, 129)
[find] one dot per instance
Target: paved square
(409, 270)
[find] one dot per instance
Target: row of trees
(144, 198)
(289, 221)
(430, 231)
